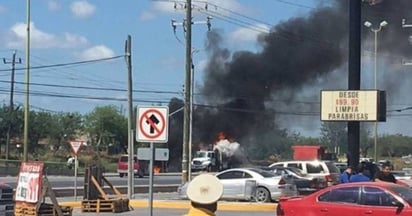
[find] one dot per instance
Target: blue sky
(71, 31)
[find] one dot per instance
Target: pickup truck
(122, 166)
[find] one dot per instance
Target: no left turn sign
(152, 124)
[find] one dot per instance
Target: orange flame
(223, 136)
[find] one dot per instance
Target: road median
(185, 204)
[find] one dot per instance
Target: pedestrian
(385, 175)
(359, 176)
(345, 176)
(203, 192)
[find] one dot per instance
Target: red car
(351, 199)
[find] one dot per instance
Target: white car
(267, 186)
(315, 168)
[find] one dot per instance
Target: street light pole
(375, 31)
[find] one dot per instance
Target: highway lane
(68, 181)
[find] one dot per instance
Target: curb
(222, 206)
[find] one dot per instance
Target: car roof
(381, 183)
(300, 161)
(253, 169)
(5, 186)
(283, 168)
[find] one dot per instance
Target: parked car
(268, 186)
(6, 200)
(401, 175)
(122, 166)
(315, 168)
(305, 184)
(359, 198)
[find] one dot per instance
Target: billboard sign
(350, 105)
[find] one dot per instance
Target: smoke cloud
(256, 91)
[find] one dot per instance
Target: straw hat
(204, 189)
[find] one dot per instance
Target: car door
(338, 202)
(233, 184)
(378, 202)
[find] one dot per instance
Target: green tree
(15, 120)
(106, 125)
(334, 135)
(366, 141)
(40, 124)
(66, 126)
(394, 145)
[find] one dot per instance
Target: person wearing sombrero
(204, 191)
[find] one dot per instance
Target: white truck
(224, 155)
(204, 160)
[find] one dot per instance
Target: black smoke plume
(247, 92)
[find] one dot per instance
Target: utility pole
(11, 107)
(130, 151)
(186, 110)
(27, 104)
(188, 87)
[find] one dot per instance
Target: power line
(94, 88)
(295, 4)
(68, 64)
(219, 107)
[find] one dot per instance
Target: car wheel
(262, 195)
(121, 175)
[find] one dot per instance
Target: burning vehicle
(223, 155)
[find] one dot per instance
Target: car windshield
(403, 192)
(124, 158)
(201, 154)
(263, 173)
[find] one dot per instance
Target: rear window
(264, 173)
(332, 168)
(295, 165)
(314, 168)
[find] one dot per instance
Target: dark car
(6, 200)
(305, 184)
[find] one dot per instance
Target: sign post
(75, 146)
(152, 126)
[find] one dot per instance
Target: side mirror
(399, 205)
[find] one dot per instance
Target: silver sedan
(250, 184)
